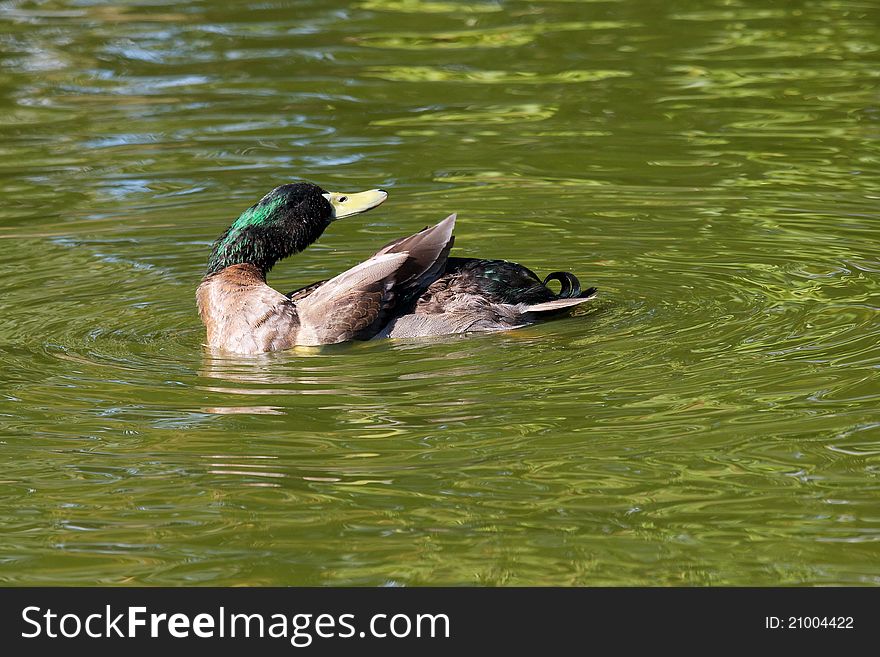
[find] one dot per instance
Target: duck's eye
(343, 199)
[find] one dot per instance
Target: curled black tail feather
(571, 286)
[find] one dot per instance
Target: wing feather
(356, 303)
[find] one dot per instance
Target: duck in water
(409, 288)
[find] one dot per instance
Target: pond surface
(712, 167)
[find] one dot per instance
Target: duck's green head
(285, 221)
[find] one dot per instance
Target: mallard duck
(409, 288)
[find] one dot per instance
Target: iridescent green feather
(234, 245)
(253, 216)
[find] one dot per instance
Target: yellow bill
(345, 205)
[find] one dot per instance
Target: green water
(711, 166)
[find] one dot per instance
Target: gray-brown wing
(428, 249)
(348, 305)
(358, 302)
(303, 292)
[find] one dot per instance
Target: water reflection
(495, 37)
(435, 74)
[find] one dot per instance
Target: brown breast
(242, 314)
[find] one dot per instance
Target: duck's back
(495, 281)
(473, 295)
